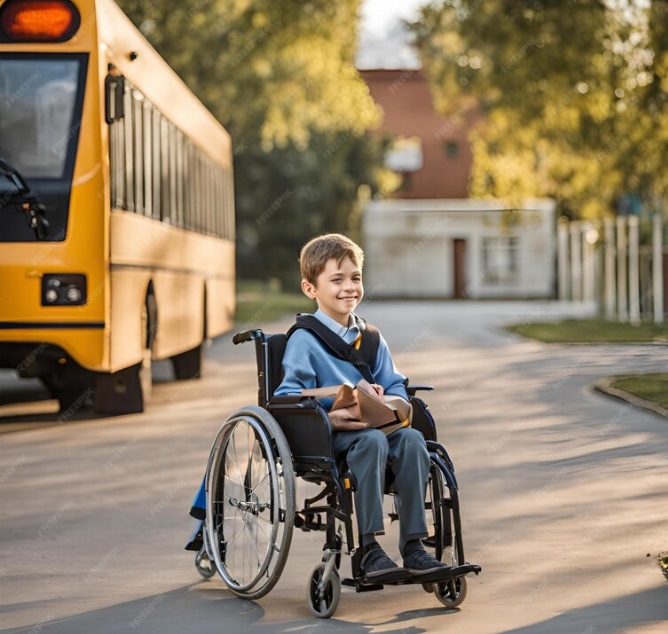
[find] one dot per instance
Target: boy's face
(338, 289)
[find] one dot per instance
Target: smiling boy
(331, 270)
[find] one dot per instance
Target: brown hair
(317, 252)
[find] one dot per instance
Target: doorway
(459, 268)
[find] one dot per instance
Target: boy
(331, 269)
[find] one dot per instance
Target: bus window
(156, 139)
(165, 210)
(37, 99)
(179, 178)
(148, 156)
(187, 185)
(129, 199)
(138, 150)
(40, 117)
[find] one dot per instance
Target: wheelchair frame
(251, 507)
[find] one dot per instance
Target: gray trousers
(368, 452)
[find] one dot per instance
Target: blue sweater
(307, 363)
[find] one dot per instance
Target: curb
(605, 386)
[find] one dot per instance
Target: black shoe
(377, 566)
(420, 563)
(196, 539)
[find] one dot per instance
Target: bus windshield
(38, 96)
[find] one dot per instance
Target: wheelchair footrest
(446, 573)
(401, 577)
(362, 587)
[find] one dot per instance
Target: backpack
(363, 359)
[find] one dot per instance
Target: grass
(651, 387)
(591, 331)
(257, 301)
(663, 563)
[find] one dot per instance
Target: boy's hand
(343, 420)
(378, 389)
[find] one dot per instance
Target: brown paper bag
(387, 414)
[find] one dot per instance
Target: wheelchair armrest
(411, 389)
(283, 402)
(306, 426)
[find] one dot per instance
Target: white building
(459, 248)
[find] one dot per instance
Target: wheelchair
(251, 510)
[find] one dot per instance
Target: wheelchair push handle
(246, 336)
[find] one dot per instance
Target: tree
(281, 78)
(573, 93)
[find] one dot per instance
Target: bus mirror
(114, 90)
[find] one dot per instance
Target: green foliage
(650, 387)
(280, 76)
(574, 94)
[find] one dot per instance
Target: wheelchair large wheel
(444, 506)
(250, 487)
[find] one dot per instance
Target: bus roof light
(39, 20)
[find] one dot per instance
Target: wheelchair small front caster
(323, 599)
(203, 563)
(451, 593)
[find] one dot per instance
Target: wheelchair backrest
(269, 351)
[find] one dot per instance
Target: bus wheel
(148, 323)
(119, 392)
(73, 391)
(188, 364)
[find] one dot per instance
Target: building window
(451, 149)
(405, 155)
(500, 259)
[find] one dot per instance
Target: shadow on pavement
(195, 610)
(619, 615)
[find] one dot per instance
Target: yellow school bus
(116, 207)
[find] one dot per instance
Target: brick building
(429, 239)
(444, 164)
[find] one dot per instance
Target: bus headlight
(66, 289)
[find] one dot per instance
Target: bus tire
(119, 392)
(149, 319)
(73, 390)
(188, 364)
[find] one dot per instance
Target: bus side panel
(82, 345)
(128, 294)
(178, 263)
(220, 295)
(180, 299)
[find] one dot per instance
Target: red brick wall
(406, 101)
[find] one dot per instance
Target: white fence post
(590, 237)
(622, 293)
(634, 272)
(576, 261)
(609, 265)
(562, 259)
(657, 267)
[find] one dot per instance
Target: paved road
(564, 495)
